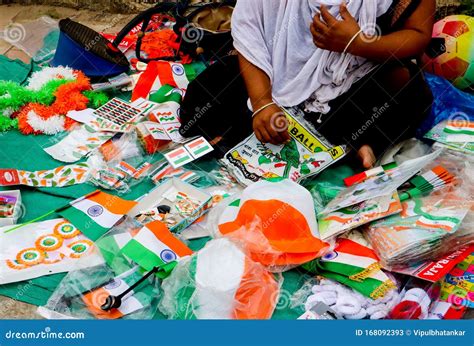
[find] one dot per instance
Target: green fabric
(145, 258)
(35, 292)
(14, 70)
(82, 221)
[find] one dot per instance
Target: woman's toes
(367, 156)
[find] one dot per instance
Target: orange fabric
(162, 233)
(351, 247)
(274, 233)
(112, 203)
(256, 300)
(158, 44)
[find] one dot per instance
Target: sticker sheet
(44, 248)
(346, 219)
(305, 155)
(78, 143)
(166, 113)
(165, 132)
(116, 116)
(58, 177)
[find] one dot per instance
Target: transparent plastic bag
(415, 300)
(199, 229)
(199, 178)
(82, 293)
(120, 164)
(447, 101)
(345, 302)
(219, 282)
(430, 225)
(354, 265)
(37, 38)
(133, 255)
(274, 221)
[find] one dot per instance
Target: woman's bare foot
(367, 156)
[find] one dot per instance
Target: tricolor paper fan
(451, 51)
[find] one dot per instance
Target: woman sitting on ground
(381, 101)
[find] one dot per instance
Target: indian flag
(440, 218)
(137, 300)
(110, 247)
(432, 179)
(167, 93)
(446, 223)
(179, 157)
(166, 171)
(219, 282)
(460, 128)
(96, 213)
(356, 266)
(155, 246)
(160, 73)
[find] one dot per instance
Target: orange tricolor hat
(275, 222)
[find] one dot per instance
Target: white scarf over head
(274, 35)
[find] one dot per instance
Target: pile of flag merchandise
(123, 217)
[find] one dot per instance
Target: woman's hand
(271, 126)
(332, 34)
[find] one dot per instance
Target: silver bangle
(263, 108)
(352, 41)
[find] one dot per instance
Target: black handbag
(205, 27)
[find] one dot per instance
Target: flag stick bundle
(431, 181)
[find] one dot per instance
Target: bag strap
(145, 18)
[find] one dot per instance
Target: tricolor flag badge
(96, 213)
(460, 128)
(179, 157)
(155, 246)
(199, 147)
